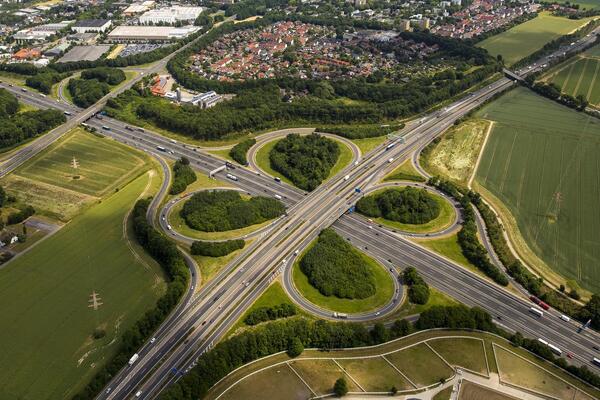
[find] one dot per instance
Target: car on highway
(106, 128)
(152, 340)
(138, 394)
(67, 113)
(23, 90)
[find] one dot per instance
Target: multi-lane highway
(210, 313)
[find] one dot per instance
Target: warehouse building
(92, 25)
(171, 15)
(125, 34)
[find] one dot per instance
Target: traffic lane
(455, 281)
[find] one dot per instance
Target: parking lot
(85, 53)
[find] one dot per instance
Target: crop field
(525, 39)
(455, 156)
(541, 162)
(84, 163)
(47, 301)
(408, 364)
(579, 76)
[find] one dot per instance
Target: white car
(152, 340)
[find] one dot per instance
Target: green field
(262, 160)
(466, 353)
(383, 283)
(46, 335)
(541, 161)
(579, 76)
(583, 5)
(405, 172)
(525, 39)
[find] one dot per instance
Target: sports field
(410, 364)
(47, 301)
(579, 76)
(524, 39)
(541, 161)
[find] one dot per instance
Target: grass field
(436, 298)
(443, 394)
(46, 335)
(404, 172)
(444, 220)
(455, 156)
(368, 144)
(541, 161)
(520, 372)
(384, 289)
(52, 185)
(472, 391)
(525, 39)
(267, 385)
(579, 76)
(411, 355)
(262, 160)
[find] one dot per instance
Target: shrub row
(360, 131)
(183, 175)
(263, 314)
(166, 254)
(216, 249)
(240, 150)
(335, 268)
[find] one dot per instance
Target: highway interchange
(203, 318)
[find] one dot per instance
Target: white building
(171, 15)
(92, 25)
(149, 33)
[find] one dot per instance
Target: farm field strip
(578, 76)
(541, 162)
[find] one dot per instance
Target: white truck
(340, 315)
(232, 177)
(133, 359)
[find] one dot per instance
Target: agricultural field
(88, 277)
(541, 163)
(73, 173)
(525, 39)
(579, 76)
(455, 155)
(410, 364)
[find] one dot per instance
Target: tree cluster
(553, 92)
(240, 150)
(305, 160)
(216, 249)
(19, 216)
(171, 260)
(360, 131)
(468, 240)
(86, 92)
(183, 175)
(224, 210)
(335, 268)
(408, 205)
(276, 336)
(17, 127)
(44, 81)
(263, 314)
(418, 289)
(112, 76)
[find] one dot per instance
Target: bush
(224, 210)
(295, 347)
(216, 249)
(408, 205)
(305, 160)
(20, 216)
(340, 388)
(183, 175)
(240, 150)
(335, 268)
(262, 314)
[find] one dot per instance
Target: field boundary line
(440, 357)
(400, 372)
(349, 376)
(454, 367)
(589, 92)
(508, 161)
(302, 379)
(549, 396)
(488, 132)
(581, 77)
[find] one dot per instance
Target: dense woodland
(224, 210)
(94, 84)
(216, 249)
(305, 160)
(183, 175)
(336, 268)
(263, 314)
(44, 81)
(16, 127)
(407, 205)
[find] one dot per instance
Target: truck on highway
(133, 359)
(340, 315)
(596, 361)
(555, 349)
(565, 318)
(232, 177)
(389, 146)
(539, 302)
(536, 311)
(278, 197)
(160, 148)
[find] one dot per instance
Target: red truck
(539, 302)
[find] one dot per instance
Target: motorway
(209, 314)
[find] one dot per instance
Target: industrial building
(92, 25)
(125, 34)
(171, 15)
